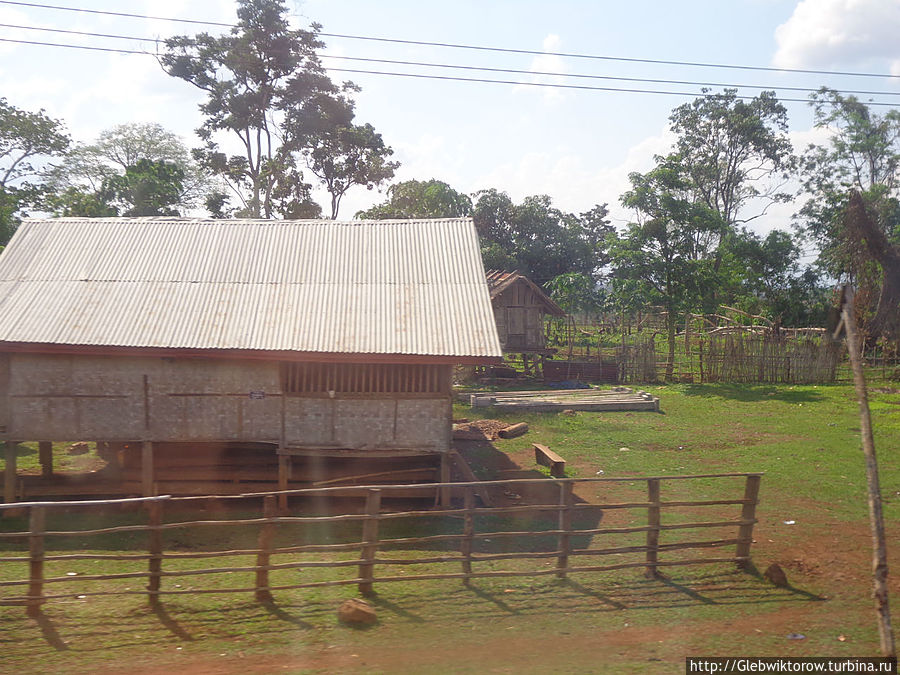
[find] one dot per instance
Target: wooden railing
(372, 539)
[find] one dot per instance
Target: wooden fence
(372, 540)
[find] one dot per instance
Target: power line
(601, 77)
(449, 78)
(482, 68)
(568, 86)
(506, 50)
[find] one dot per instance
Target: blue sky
(577, 146)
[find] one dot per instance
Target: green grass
(805, 439)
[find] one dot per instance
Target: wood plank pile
(597, 400)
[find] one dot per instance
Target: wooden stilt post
(266, 537)
(284, 474)
(45, 457)
(465, 546)
(9, 474)
(445, 478)
(37, 524)
(370, 541)
(147, 472)
(876, 515)
(748, 518)
(154, 520)
(563, 541)
(653, 522)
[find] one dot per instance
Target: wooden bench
(546, 457)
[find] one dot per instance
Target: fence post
(653, 522)
(563, 544)
(36, 525)
(266, 537)
(154, 520)
(370, 541)
(465, 546)
(748, 518)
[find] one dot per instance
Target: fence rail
(372, 541)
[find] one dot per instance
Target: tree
(732, 150)
(342, 157)
(147, 188)
(537, 239)
(266, 88)
(853, 213)
(665, 257)
(27, 141)
(146, 160)
(420, 199)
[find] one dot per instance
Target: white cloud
(572, 180)
(828, 33)
(547, 63)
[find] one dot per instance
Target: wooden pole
(653, 522)
(284, 473)
(563, 544)
(444, 490)
(9, 473)
(37, 522)
(266, 538)
(147, 469)
(370, 541)
(465, 546)
(876, 516)
(45, 457)
(748, 518)
(154, 520)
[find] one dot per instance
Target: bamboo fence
(370, 559)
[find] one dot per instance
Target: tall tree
(665, 258)
(27, 141)
(266, 88)
(735, 152)
(420, 199)
(147, 188)
(853, 213)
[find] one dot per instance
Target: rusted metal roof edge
(246, 354)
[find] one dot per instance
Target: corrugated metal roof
(373, 287)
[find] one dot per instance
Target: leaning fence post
(748, 518)
(36, 524)
(266, 537)
(154, 520)
(465, 546)
(370, 541)
(563, 545)
(653, 522)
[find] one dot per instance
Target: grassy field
(812, 521)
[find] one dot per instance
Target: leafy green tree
(537, 239)
(576, 292)
(734, 153)
(764, 275)
(862, 158)
(420, 199)
(665, 258)
(266, 88)
(83, 183)
(27, 141)
(342, 157)
(148, 188)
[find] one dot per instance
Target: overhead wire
(427, 64)
(453, 45)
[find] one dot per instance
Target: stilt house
(519, 307)
(222, 355)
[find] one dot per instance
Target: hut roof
(498, 282)
(397, 287)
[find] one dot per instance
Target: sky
(578, 146)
